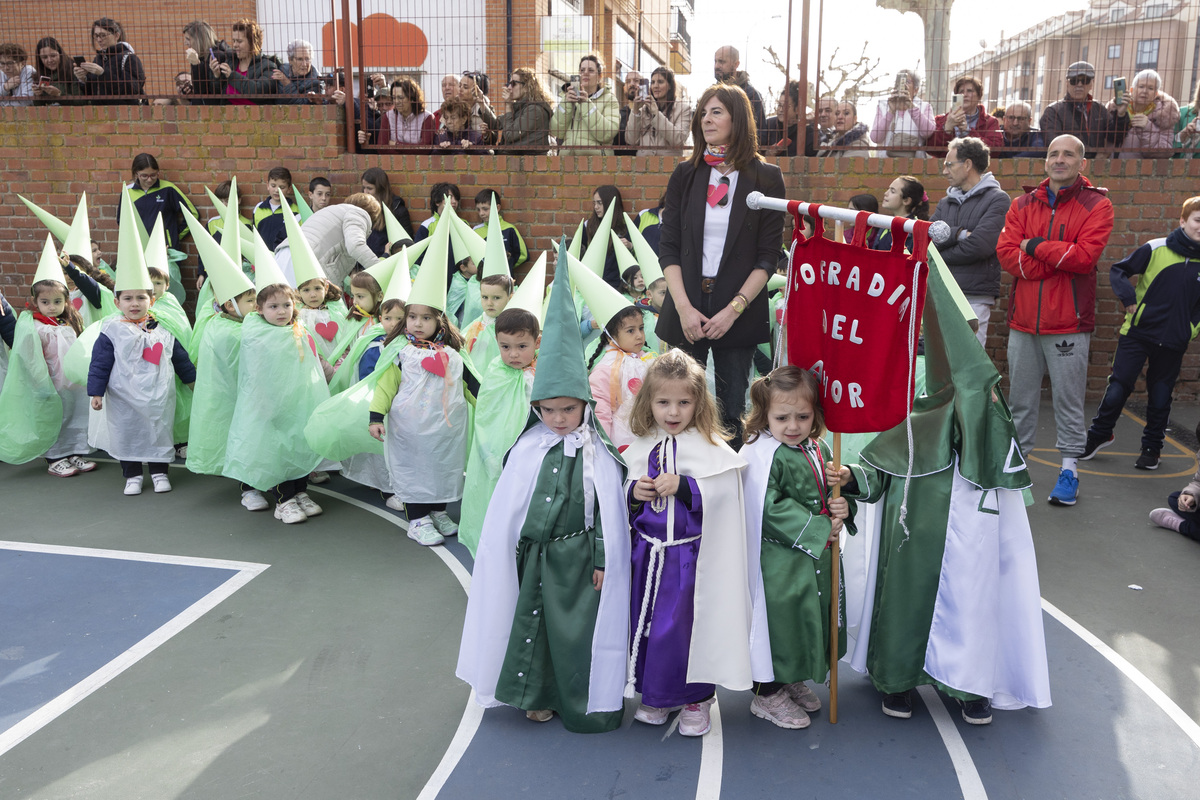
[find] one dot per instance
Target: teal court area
(177, 646)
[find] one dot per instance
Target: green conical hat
(647, 259)
(395, 231)
(53, 224)
(382, 270)
(461, 245)
(495, 259)
(530, 295)
(625, 259)
(429, 287)
(217, 203)
(776, 282)
(231, 244)
(576, 247)
(143, 234)
(561, 370)
(227, 278)
(49, 267)
(131, 250)
(415, 250)
(266, 268)
(597, 250)
(302, 206)
(79, 240)
(304, 261)
(603, 300)
(400, 286)
(156, 249)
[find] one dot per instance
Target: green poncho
(337, 429)
(215, 395)
(280, 384)
(31, 411)
(347, 372)
(500, 415)
(330, 329)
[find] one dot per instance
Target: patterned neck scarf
(714, 155)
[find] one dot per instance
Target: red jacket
(1055, 287)
(986, 127)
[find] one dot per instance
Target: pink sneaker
(803, 696)
(651, 715)
(694, 720)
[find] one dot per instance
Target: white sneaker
(81, 465)
(694, 719)
(423, 532)
(318, 478)
(181, 452)
(445, 526)
(780, 709)
(253, 500)
(161, 482)
(395, 503)
(290, 512)
(133, 485)
(651, 715)
(307, 505)
(803, 696)
(63, 468)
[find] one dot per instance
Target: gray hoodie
(972, 259)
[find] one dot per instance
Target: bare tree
(850, 80)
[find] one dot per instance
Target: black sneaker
(1095, 444)
(1147, 460)
(898, 705)
(977, 712)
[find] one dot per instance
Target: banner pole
(835, 596)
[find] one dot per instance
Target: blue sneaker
(1066, 490)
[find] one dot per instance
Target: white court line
(712, 748)
(472, 716)
(964, 766)
(75, 694)
(1160, 698)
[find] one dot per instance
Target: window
(1084, 54)
(1115, 14)
(1108, 79)
(1155, 11)
(1147, 54)
(1114, 51)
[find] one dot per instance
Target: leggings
(133, 469)
(415, 511)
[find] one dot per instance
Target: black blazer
(752, 242)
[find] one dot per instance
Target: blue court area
(67, 616)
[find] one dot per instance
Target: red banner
(852, 317)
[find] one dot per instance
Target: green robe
(500, 414)
(796, 570)
(171, 316)
(215, 394)
(549, 657)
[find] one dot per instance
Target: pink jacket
(1159, 131)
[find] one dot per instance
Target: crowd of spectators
(595, 112)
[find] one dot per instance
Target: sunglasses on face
(1078, 79)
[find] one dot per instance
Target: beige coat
(653, 133)
(338, 236)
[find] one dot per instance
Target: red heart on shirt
(78, 303)
(326, 330)
(436, 363)
(153, 354)
(717, 193)
(634, 384)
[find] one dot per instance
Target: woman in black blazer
(717, 253)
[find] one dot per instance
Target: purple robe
(662, 655)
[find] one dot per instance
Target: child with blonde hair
(690, 604)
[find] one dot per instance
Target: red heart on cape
(326, 330)
(717, 193)
(78, 303)
(634, 384)
(436, 363)
(153, 354)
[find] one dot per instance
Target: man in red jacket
(1053, 237)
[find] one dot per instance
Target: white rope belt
(649, 599)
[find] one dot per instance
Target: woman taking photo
(199, 41)
(717, 253)
(526, 126)
(53, 82)
(659, 123)
(246, 71)
(117, 70)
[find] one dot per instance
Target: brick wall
(50, 155)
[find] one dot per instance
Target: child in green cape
(324, 315)
(280, 383)
(494, 293)
(500, 415)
